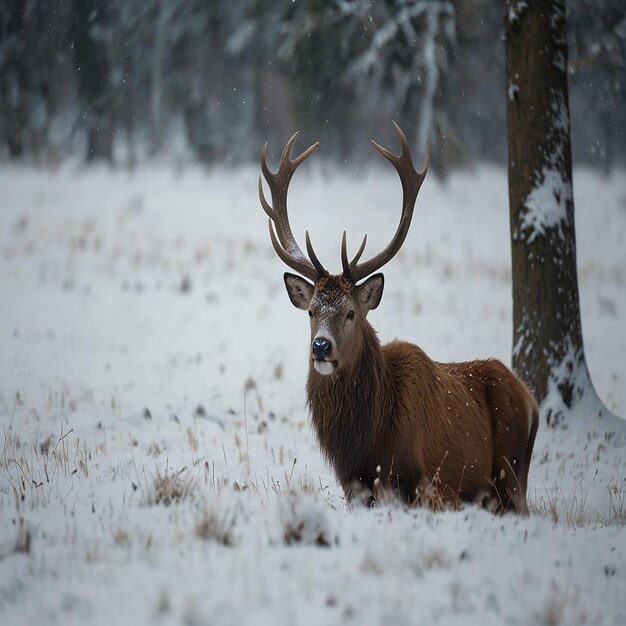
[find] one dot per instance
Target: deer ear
(300, 291)
(370, 292)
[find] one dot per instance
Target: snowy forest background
(212, 81)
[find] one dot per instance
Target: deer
(389, 419)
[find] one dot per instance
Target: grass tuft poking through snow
(218, 526)
(305, 521)
(169, 487)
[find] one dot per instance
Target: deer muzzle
(322, 348)
(322, 354)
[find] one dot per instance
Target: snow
(515, 11)
(546, 205)
(560, 115)
(157, 464)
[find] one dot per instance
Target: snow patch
(559, 60)
(560, 119)
(516, 11)
(585, 403)
(305, 520)
(522, 343)
(546, 205)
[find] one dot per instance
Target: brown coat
(398, 416)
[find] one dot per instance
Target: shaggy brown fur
(390, 418)
(394, 419)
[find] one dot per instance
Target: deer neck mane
(347, 410)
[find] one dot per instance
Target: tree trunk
(548, 351)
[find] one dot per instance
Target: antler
(286, 247)
(411, 183)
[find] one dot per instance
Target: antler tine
(347, 272)
(348, 267)
(269, 175)
(411, 181)
(284, 156)
(359, 252)
(264, 203)
(306, 154)
(299, 264)
(316, 262)
(282, 239)
(288, 164)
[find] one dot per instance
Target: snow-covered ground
(157, 465)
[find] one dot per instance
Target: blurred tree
(597, 36)
(213, 80)
(13, 76)
(479, 69)
(410, 47)
(129, 24)
(548, 349)
(153, 47)
(163, 23)
(92, 67)
(319, 41)
(252, 32)
(224, 117)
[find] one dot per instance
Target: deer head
(337, 304)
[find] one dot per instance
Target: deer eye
(350, 315)
(310, 313)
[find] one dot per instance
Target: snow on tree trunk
(548, 351)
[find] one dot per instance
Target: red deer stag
(388, 418)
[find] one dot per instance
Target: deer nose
(321, 348)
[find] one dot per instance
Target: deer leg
(511, 409)
(520, 504)
(515, 474)
(522, 474)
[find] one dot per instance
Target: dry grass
(616, 510)
(305, 521)
(432, 495)
(28, 467)
(217, 527)
(573, 511)
(170, 487)
(22, 543)
(429, 493)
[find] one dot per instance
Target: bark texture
(548, 351)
